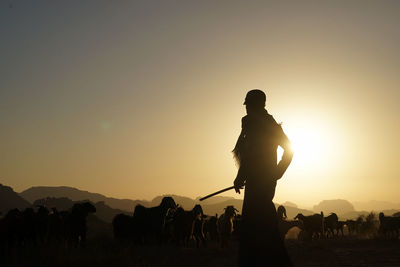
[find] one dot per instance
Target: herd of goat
(170, 223)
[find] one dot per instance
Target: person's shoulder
(271, 120)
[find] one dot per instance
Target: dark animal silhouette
(368, 225)
(389, 226)
(123, 227)
(331, 224)
(149, 222)
(283, 223)
(281, 212)
(56, 227)
(225, 225)
(168, 233)
(41, 224)
(211, 228)
(184, 223)
(352, 226)
(28, 228)
(198, 228)
(12, 229)
(312, 225)
(339, 227)
(75, 223)
(237, 221)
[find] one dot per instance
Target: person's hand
(238, 184)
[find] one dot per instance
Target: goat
(283, 224)
(312, 225)
(211, 228)
(149, 222)
(339, 227)
(168, 228)
(352, 226)
(389, 226)
(237, 222)
(75, 222)
(281, 212)
(198, 229)
(12, 228)
(331, 223)
(28, 228)
(55, 226)
(225, 225)
(123, 227)
(41, 223)
(184, 223)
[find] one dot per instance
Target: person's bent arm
(240, 179)
(286, 157)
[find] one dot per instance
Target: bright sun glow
(313, 146)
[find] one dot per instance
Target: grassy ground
(106, 252)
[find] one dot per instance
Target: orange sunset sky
(135, 99)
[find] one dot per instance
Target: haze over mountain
(338, 206)
(375, 205)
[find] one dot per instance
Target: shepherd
(256, 155)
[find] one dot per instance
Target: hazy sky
(134, 99)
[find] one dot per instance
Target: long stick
(216, 193)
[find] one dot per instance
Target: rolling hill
(10, 200)
(210, 206)
(40, 192)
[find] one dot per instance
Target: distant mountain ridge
(103, 211)
(343, 208)
(375, 205)
(338, 206)
(10, 200)
(39, 192)
(210, 206)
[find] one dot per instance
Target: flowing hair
(238, 150)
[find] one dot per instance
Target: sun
(312, 145)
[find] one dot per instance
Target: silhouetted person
(256, 154)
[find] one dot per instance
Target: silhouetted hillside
(219, 207)
(376, 205)
(40, 192)
(63, 197)
(62, 203)
(214, 199)
(338, 206)
(10, 199)
(106, 213)
(289, 204)
(103, 211)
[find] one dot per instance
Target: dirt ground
(337, 252)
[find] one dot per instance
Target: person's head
(255, 101)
